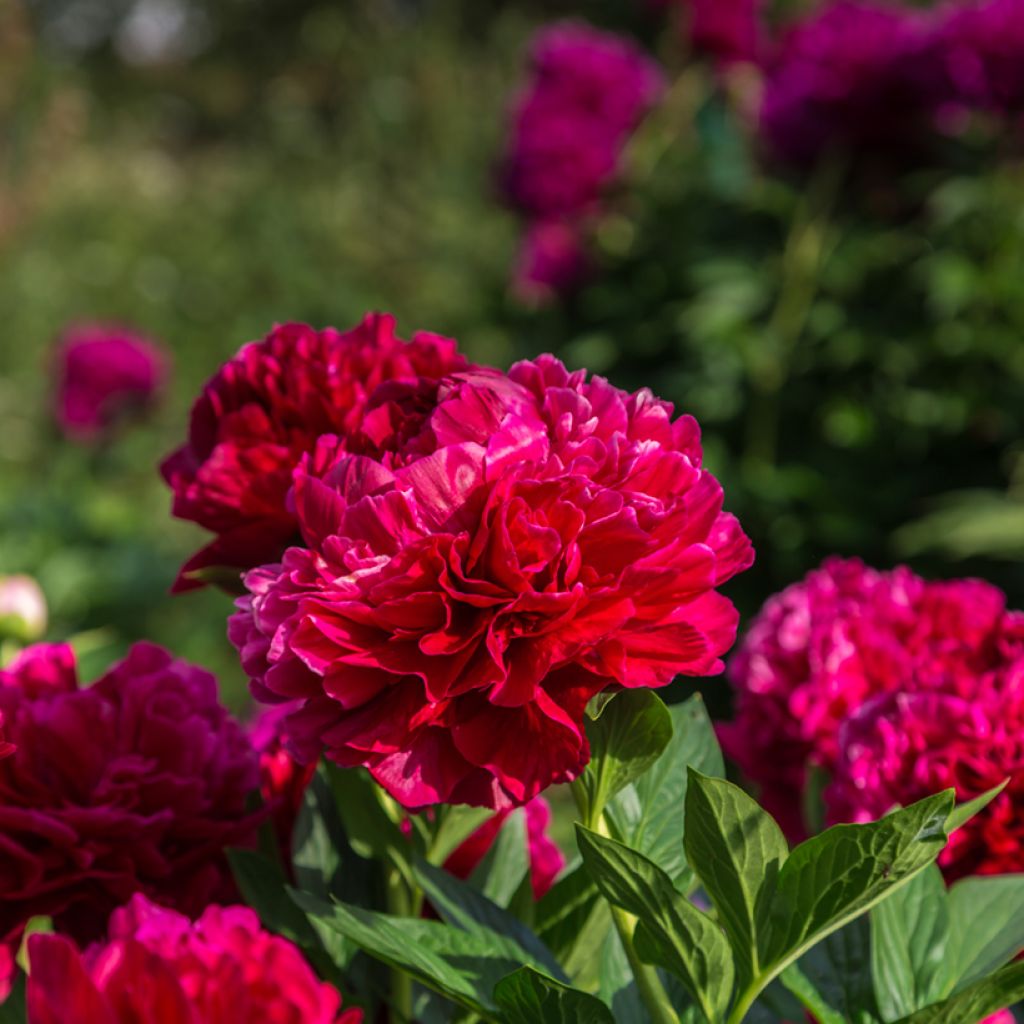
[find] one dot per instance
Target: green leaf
(633, 729)
(964, 812)
(987, 925)
(455, 824)
(264, 887)
(810, 997)
(839, 968)
(737, 851)
(13, 1009)
(646, 815)
(980, 1000)
(464, 966)
(371, 831)
(463, 906)
(617, 985)
(573, 922)
(507, 862)
(318, 840)
(527, 997)
(836, 876)
(672, 933)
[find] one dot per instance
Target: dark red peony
(265, 408)
(158, 966)
(449, 615)
(134, 784)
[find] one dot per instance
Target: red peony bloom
(546, 860)
(102, 373)
(728, 30)
(830, 644)
(136, 783)
(158, 966)
(542, 538)
(265, 408)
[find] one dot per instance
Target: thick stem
(746, 1000)
(400, 904)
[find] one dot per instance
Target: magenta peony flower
(728, 30)
(136, 783)
(159, 966)
(588, 92)
(834, 642)
(265, 408)
(854, 76)
(546, 860)
(104, 372)
(982, 46)
(451, 613)
(552, 259)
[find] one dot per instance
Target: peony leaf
(464, 966)
(909, 936)
(318, 840)
(646, 814)
(737, 851)
(672, 933)
(466, 908)
(987, 925)
(632, 731)
(980, 1000)
(507, 863)
(963, 813)
(527, 997)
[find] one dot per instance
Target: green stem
(400, 903)
(649, 987)
(746, 1000)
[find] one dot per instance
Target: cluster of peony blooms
(104, 373)
(893, 687)
(463, 559)
(587, 93)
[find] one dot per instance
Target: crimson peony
(265, 408)
(159, 966)
(541, 538)
(832, 644)
(136, 783)
(102, 373)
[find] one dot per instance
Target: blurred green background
(854, 348)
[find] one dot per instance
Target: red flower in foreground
(102, 373)
(136, 783)
(159, 966)
(825, 648)
(543, 537)
(265, 408)
(546, 860)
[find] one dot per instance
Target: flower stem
(400, 903)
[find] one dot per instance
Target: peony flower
(728, 30)
(159, 966)
(23, 612)
(265, 408)
(854, 76)
(104, 372)
(135, 784)
(552, 259)
(835, 641)
(450, 614)
(982, 47)
(588, 92)
(546, 859)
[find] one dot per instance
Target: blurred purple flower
(728, 30)
(104, 372)
(855, 76)
(552, 258)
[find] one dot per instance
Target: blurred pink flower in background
(136, 783)
(552, 259)
(546, 859)
(23, 611)
(728, 30)
(105, 372)
(159, 966)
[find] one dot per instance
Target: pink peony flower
(265, 408)
(588, 92)
(542, 538)
(728, 30)
(23, 612)
(104, 372)
(136, 783)
(855, 76)
(830, 644)
(8, 968)
(552, 260)
(546, 860)
(159, 966)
